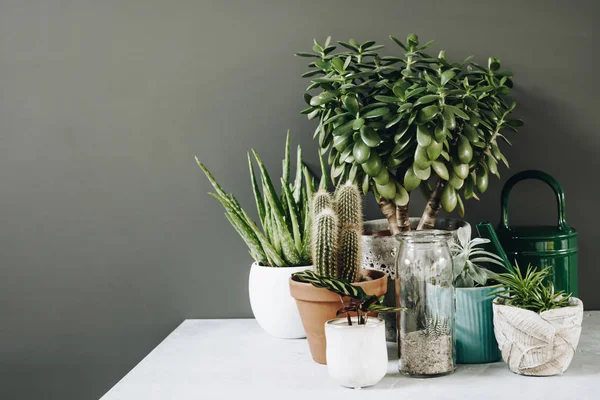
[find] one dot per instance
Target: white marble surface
(235, 359)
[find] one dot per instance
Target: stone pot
(538, 344)
(379, 252)
(475, 340)
(319, 305)
(273, 307)
(356, 354)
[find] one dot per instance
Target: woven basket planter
(537, 344)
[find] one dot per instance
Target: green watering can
(540, 246)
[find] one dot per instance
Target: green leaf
(361, 151)
(447, 76)
(349, 46)
(394, 121)
(494, 63)
(358, 123)
(377, 112)
(424, 135)
(426, 99)
(302, 54)
(411, 181)
(260, 205)
(514, 123)
(322, 98)
(449, 120)
(293, 217)
(440, 169)
(428, 113)
(324, 178)
(369, 136)
(337, 64)
(399, 43)
(286, 160)
(386, 99)
(350, 103)
(458, 112)
(422, 174)
(343, 129)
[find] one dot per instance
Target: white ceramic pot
(357, 354)
(273, 307)
(538, 344)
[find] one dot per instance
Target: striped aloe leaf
(260, 205)
(284, 218)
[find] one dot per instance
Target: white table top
(235, 359)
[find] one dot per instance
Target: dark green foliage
(414, 115)
(529, 291)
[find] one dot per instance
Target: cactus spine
(326, 244)
(336, 233)
(349, 210)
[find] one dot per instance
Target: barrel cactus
(336, 232)
(392, 124)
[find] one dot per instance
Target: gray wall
(108, 237)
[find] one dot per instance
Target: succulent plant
(284, 240)
(359, 302)
(336, 232)
(466, 258)
(530, 290)
(348, 203)
(394, 124)
(325, 242)
(435, 326)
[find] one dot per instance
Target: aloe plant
(283, 240)
(359, 302)
(466, 258)
(393, 124)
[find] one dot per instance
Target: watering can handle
(544, 177)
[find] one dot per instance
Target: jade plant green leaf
(422, 118)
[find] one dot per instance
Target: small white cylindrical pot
(273, 307)
(538, 344)
(357, 354)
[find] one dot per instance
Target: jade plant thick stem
(392, 124)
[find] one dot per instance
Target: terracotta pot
(319, 305)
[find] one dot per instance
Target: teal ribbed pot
(475, 340)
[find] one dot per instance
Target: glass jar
(426, 332)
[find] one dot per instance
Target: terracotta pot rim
(309, 293)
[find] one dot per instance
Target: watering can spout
(486, 231)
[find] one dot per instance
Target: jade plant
(284, 240)
(530, 290)
(467, 256)
(337, 230)
(392, 124)
(358, 301)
